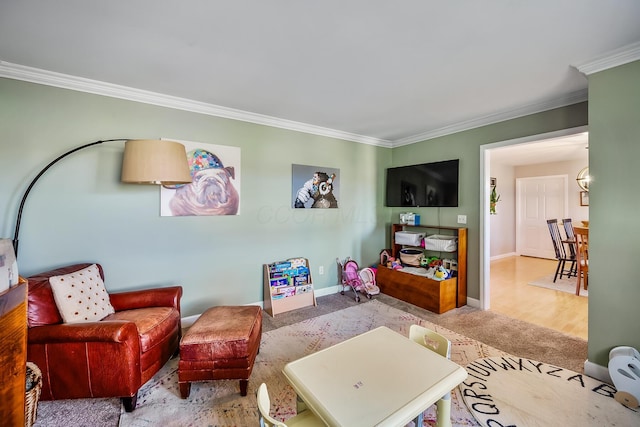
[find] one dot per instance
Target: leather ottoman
(221, 344)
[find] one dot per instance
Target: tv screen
(424, 185)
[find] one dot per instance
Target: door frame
(485, 228)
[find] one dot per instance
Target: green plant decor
(493, 201)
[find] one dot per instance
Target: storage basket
(411, 256)
(32, 395)
(413, 238)
(437, 242)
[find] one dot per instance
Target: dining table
(581, 228)
(378, 378)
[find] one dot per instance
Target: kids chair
(439, 344)
(303, 419)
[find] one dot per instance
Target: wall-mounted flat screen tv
(424, 185)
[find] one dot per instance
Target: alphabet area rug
(554, 393)
(218, 403)
(512, 391)
(562, 285)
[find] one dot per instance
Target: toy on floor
(351, 278)
(624, 368)
(368, 277)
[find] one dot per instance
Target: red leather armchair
(113, 357)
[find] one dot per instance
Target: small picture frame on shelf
(584, 198)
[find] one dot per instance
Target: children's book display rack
(287, 286)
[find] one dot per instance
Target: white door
(537, 200)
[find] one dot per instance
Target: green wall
(466, 146)
(614, 251)
(80, 212)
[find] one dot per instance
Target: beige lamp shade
(149, 161)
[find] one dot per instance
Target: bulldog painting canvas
(215, 190)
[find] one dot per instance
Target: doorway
(485, 175)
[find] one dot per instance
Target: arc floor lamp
(145, 161)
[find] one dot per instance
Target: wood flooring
(512, 296)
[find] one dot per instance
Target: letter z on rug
(512, 391)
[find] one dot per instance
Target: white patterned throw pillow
(81, 296)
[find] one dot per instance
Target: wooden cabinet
(438, 296)
(287, 286)
(13, 354)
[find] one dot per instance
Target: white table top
(379, 378)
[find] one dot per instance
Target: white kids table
(378, 378)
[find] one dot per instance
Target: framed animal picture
(215, 190)
(315, 187)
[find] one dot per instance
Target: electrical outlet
(321, 270)
(462, 219)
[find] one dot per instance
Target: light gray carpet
(218, 403)
(509, 335)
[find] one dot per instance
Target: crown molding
(50, 78)
(512, 113)
(615, 58)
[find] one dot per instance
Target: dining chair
(568, 228)
(303, 419)
(582, 258)
(560, 251)
(441, 345)
(568, 231)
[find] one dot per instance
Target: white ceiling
(374, 71)
(572, 147)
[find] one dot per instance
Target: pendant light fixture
(584, 178)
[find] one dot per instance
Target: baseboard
(493, 258)
(472, 302)
(186, 322)
(599, 372)
(329, 291)
(190, 320)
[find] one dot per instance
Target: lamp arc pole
(37, 177)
